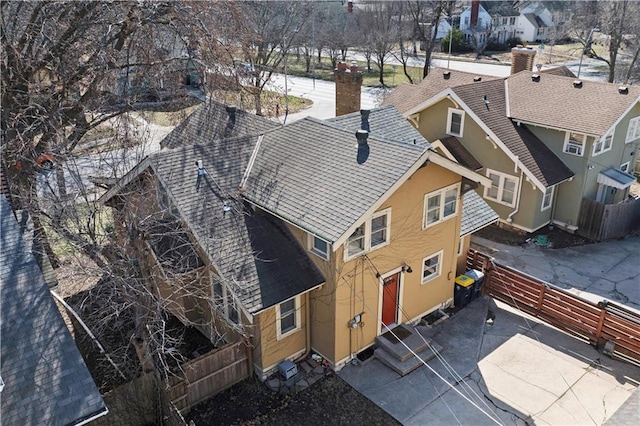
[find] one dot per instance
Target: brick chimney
(522, 59)
(475, 9)
(348, 88)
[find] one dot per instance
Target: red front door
(390, 299)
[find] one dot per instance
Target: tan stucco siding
(321, 299)
(359, 289)
(271, 349)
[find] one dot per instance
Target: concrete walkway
(514, 368)
(609, 270)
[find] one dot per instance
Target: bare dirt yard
(329, 401)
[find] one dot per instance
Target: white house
(535, 23)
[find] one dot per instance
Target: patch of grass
(273, 103)
(167, 118)
(393, 76)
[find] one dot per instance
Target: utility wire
(496, 421)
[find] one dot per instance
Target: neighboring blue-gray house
(44, 378)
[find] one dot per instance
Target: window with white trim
(625, 167)
(319, 247)
(372, 234)
(455, 122)
(288, 317)
(547, 198)
(574, 143)
(440, 205)
(503, 189)
(603, 144)
(431, 267)
(633, 131)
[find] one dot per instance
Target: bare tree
(619, 22)
(68, 70)
(260, 34)
(377, 23)
(426, 17)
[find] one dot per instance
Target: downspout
(510, 217)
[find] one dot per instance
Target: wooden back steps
(395, 355)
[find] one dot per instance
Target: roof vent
(446, 75)
(577, 84)
(364, 119)
(362, 136)
(623, 90)
(535, 77)
(477, 78)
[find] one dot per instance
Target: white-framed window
(466, 21)
(455, 122)
(319, 247)
(440, 205)
(431, 267)
(625, 167)
(504, 188)
(547, 198)
(288, 317)
(633, 131)
(372, 234)
(574, 143)
(512, 21)
(603, 144)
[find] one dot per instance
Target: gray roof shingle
(591, 109)
(476, 213)
(46, 379)
(315, 176)
(385, 122)
(256, 255)
(212, 121)
(543, 164)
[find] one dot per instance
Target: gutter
(92, 417)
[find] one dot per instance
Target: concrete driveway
(609, 270)
(515, 369)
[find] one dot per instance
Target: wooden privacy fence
(604, 323)
(601, 222)
(210, 374)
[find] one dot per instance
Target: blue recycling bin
(478, 278)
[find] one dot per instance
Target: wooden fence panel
(594, 323)
(209, 374)
(601, 222)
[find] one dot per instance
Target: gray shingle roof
(259, 260)
(46, 379)
(385, 122)
(408, 96)
(561, 71)
(591, 109)
(212, 121)
(476, 213)
(543, 164)
(313, 175)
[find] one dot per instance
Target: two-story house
(319, 235)
(502, 20)
(551, 144)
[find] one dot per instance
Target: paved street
(609, 270)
